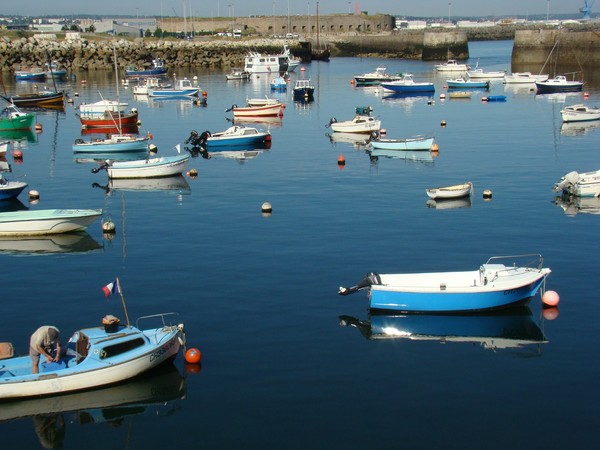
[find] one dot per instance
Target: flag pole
(123, 301)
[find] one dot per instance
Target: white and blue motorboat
(279, 84)
(156, 70)
(181, 88)
(113, 143)
(236, 135)
(407, 84)
(462, 83)
(95, 357)
(10, 189)
(496, 285)
(580, 184)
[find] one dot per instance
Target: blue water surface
(258, 293)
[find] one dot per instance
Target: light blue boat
(407, 84)
(181, 88)
(95, 357)
(494, 286)
(278, 84)
(114, 143)
(461, 83)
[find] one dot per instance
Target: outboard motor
(102, 166)
(194, 139)
(332, 120)
(203, 138)
(369, 280)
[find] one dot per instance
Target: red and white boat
(275, 110)
(110, 119)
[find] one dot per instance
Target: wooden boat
(40, 98)
(12, 118)
(459, 94)
(262, 111)
(580, 113)
(278, 84)
(512, 329)
(377, 77)
(100, 107)
(303, 90)
(46, 221)
(110, 119)
(10, 189)
(96, 357)
(455, 191)
(158, 68)
(162, 166)
(358, 124)
(558, 84)
(524, 78)
(585, 184)
(234, 135)
(114, 143)
(412, 143)
(238, 74)
(452, 66)
(496, 285)
(461, 83)
(181, 88)
(407, 84)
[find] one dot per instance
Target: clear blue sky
(227, 8)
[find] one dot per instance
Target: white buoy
(34, 195)
(266, 208)
(487, 194)
(108, 226)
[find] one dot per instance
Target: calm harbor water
(258, 295)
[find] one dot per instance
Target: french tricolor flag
(111, 288)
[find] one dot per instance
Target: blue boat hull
(451, 302)
(408, 88)
(237, 141)
(470, 85)
(11, 192)
(146, 73)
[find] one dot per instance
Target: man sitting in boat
(45, 341)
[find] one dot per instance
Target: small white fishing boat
(412, 143)
(10, 189)
(100, 107)
(264, 102)
(146, 84)
(524, 78)
(480, 74)
(377, 77)
(501, 282)
(580, 113)
(238, 74)
(181, 88)
(46, 221)
(359, 124)
(255, 111)
(585, 184)
(162, 166)
(452, 66)
(113, 143)
(95, 357)
(455, 191)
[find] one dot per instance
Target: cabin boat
(580, 113)
(558, 84)
(452, 66)
(181, 88)
(376, 77)
(407, 84)
(524, 78)
(359, 124)
(157, 69)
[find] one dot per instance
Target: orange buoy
(586, 94)
(193, 356)
(17, 154)
(435, 147)
(550, 298)
(352, 81)
(150, 136)
(204, 94)
(341, 160)
(38, 127)
(302, 69)
(268, 138)
(193, 368)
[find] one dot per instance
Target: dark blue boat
(158, 69)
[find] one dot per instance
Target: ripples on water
(258, 294)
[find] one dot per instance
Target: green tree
(148, 33)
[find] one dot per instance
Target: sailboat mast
(117, 81)
(318, 46)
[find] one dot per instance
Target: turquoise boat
(46, 221)
(95, 357)
(461, 83)
(12, 119)
(496, 285)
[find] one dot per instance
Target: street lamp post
(449, 5)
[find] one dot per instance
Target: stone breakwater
(82, 55)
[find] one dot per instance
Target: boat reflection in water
(407, 100)
(18, 135)
(98, 158)
(176, 185)
(12, 204)
(578, 128)
(450, 203)
(425, 157)
(268, 121)
(509, 329)
(80, 242)
(356, 140)
(240, 156)
(573, 205)
(158, 392)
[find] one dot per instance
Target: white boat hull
(40, 222)
(579, 113)
(456, 191)
(164, 166)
